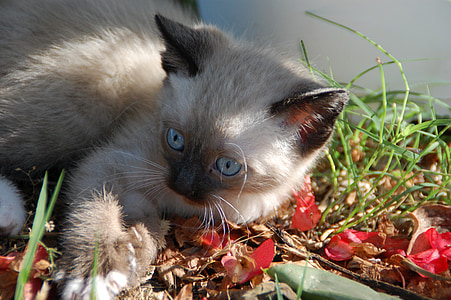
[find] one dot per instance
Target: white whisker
(245, 168)
(224, 223)
(222, 200)
(159, 191)
(206, 219)
(151, 163)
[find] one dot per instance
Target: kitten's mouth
(191, 201)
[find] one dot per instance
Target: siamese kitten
(160, 118)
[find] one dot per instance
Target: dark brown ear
(312, 114)
(186, 47)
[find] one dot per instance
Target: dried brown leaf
(434, 289)
(8, 280)
(187, 231)
(386, 226)
(366, 250)
(186, 293)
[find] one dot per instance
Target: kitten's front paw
(12, 212)
(120, 264)
(101, 287)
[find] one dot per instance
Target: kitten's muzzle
(188, 182)
(185, 183)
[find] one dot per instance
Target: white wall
(408, 29)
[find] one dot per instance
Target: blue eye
(175, 140)
(228, 166)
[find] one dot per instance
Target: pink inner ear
(298, 116)
(303, 119)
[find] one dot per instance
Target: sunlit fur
(95, 84)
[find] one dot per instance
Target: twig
(375, 284)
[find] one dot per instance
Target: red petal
(338, 248)
(307, 185)
(41, 253)
(218, 241)
(390, 245)
(31, 288)
(264, 254)
(307, 213)
(6, 260)
(424, 241)
(369, 237)
(430, 260)
(431, 235)
(263, 257)
(351, 235)
(212, 239)
(395, 246)
(305, 191)
(443, 244)
(229, 262)
(306, 218)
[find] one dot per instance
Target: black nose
(185, 182)
(188, 180)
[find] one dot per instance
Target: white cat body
(12, 211)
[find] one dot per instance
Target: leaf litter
(407, 256)
(213, 264)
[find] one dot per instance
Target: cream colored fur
(12, 211)
(101, 84)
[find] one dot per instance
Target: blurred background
(407, 29)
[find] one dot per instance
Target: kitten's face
(239, 129)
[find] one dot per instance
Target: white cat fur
(12, 211)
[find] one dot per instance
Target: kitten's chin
(199, 204)
(249, 208)
(173, 203)
(193, 202)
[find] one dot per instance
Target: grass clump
(390, 155)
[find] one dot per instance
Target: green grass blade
(370, 114)
(405, 153)
(42, 216)
(410, 129)
(384, 103)
(304, 276)
(37, 232)
(278, 292)
(351, 83)
(306, 59)
(95, 269)
(54, 196)
(379, 47)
